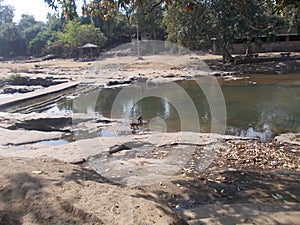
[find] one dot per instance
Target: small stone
(274, 163)
(277, 196)
(37, 172)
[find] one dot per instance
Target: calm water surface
(252, 110)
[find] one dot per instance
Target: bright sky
(37, 8)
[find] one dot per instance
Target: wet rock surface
(40, 122)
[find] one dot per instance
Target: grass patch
(15, 79)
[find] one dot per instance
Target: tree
(192, 23)
(29, 29)
(6, 13)
(69, 8)
(38, 45)
(116, 29)
(9, 35)
(108, 10)
(242, 19)
(11, 42)
(75, 35)
(224, 20)
(149, 20)
(190, 28)
(290, 10)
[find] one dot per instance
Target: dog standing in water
(134, 126)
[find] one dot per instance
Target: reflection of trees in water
(95, 101)
(151, 107)
(66, 106)
(262, 111)
(105, 101)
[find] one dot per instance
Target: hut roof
(89, 45)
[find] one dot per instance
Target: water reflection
(260, 111)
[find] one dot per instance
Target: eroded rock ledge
(149, 156)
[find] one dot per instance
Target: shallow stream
(255, 110)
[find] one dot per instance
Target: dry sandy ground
(35, 191)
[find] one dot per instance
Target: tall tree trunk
(248, 47)
(227, 57)
(128, 18)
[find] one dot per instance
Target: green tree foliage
(190, 28)
(231, 19)
(69, 8)
(191, 23)
(290, 10)
(75, 34)
(38, 45)
(11, 42)
(107, 10)
(283, 4)
(9, 34)
(31, 33)
(224, 20)
(54, 23)
(6, 13)
(149, 18)
(28, 37)
(116, 29)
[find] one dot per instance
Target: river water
(257, 108)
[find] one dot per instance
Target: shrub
(15, 79)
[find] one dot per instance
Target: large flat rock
(19, 137)
(37, 93)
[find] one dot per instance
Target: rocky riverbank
(163, 173)
(58, 169)
(246, 181)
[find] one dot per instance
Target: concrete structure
(284, 41)
(38, 93)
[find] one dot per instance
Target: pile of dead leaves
(261, 155)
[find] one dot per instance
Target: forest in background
(108, 23)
